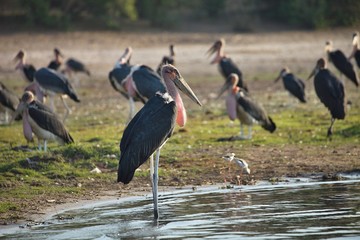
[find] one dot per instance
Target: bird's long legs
(329, 133)
(154, 167)
(249, 132)
(68, 110)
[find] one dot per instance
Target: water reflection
(296, 210)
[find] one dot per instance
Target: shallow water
(308, 210)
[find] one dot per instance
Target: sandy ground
(259, 54)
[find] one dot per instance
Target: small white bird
(240, 162)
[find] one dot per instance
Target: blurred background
(178, 15)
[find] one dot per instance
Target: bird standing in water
(151, 127)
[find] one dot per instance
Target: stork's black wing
(54, 65)
(49, 121)
(29, 71)
(344, 66)
(77, 66)
(227, 67)
(257, 112)
(148, 82)
(117, 75)
(146, 132)
(331, 93)
(7, 98)
(295, 86)
(56, 82)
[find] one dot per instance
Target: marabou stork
(8, 101)
(356, 51)
(56, 63)
(40, 120)
(330, 91)
(340, 61)
(73, 65)
(27, 70)
(225, 64)
(167, 59)
(54, 83)
(151, 127)
(135, 82)
(241, 106)
(293, 84)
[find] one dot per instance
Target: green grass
(97, 137)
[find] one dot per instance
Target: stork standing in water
(54, 83)
(244, 166)
(241, 106)
(8, 101)
(56, 63)
(151, 127)
(292, 84)
(136, 83)
(40, 120)
(170, 59)
(356, 51)
(330, 91)
(226, 64)
(340, 61)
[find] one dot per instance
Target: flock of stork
(148, 129)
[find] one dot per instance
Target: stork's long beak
(211, 50)
(312, 73)
(185, 88)
(226, 86)
(125, 57)
(277, 79)
(18, 111)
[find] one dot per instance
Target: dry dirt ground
(259, 55)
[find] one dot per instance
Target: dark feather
(55, 65)
(295, 86)
(331, 93)
(344, 65)
(148, 82)
(146, 132)
(54, 81)
(7, 98)
(29, 71)
(227, 67)
(49, 121)
(257, 112)
(77, 66)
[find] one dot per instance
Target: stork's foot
(329, 133)
(239, 137)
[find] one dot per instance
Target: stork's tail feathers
(125, 175)
(269, 125)
(68, 139)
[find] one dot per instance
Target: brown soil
(257, 53)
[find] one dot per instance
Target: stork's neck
(219, 55)
(174, 93)
(21, 63)
(57, 58)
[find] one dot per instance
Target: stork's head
(282, 73)
(328, 46)
(19, 56)
(320, 64)
(171, 74)
(217, 47)
(58, 53)
(26, 98)
(230, 83)
(355, 38)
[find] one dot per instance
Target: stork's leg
(51, 100)
(329, 133)
(241, 130)
(39, 144)
(6, 116)
(45, 145)
(249, 132)
(68, 110)
(155, 184)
